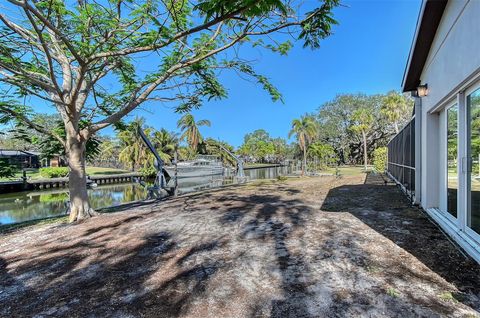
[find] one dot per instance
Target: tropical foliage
(380, 159)
(394, 107)
(54, 172)
(190, 130)
(166, 143)
(342, 120)
(323, 155)
(6, 169)
(76, 49)
(134, 152)
(362, 123)
(213, 147)
(305, 130)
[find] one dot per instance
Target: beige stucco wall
(454, 58)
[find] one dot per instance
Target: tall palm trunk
(304, 168)
(365, 156)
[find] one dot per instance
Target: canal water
(25, 206)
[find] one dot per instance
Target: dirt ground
(316, 247)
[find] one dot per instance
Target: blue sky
(367, 53)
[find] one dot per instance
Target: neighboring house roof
(427, 24)
(11, 153)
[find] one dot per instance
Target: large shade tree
(257, 145)
(335, 120)
(98, 60)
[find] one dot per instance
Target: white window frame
(443, 204)
(465, 155)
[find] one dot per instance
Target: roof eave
(428, 21)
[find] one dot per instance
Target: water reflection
(24, 206)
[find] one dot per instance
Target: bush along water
(54, 172)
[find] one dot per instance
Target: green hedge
(380, 157)
(54, 172)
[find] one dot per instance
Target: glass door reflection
(452, 161)
(473, 177)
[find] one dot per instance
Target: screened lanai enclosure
(401, 158)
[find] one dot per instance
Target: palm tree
(190, 132)
(134, 152)
(165, 143)
(323, 152)
(362, 123)
(395, 107)
(305, 129)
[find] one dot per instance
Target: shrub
(148, 172)
(380, 157)
(54, 172)
(6, 169)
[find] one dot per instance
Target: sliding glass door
(452, 161)
(473, 171)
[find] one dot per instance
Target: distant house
(436, 158)
(21, 159)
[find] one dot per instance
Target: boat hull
(195, 172)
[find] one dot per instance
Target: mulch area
(312, 247)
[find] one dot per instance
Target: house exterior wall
(454, 56)
(452, 66)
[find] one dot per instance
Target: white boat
(203, 166)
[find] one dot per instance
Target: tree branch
(24, 4)
(24, 119)
(175, 38)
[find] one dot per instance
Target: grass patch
(373, 269)
(104, 171)
(392, 292)
(35, 174)
(448, 297)
(8, 228)
(345, 170)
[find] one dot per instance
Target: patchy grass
(448, 297)
(345, 170)
(305, 247)
(392, 292)
(104, 171)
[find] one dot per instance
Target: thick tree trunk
(365, 155)
(77, 181)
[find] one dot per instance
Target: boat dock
(48, 183)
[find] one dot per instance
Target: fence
(401, 157)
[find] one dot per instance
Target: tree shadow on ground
(274, 218)
(148, 276)
(384, 208)
(118, 268)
